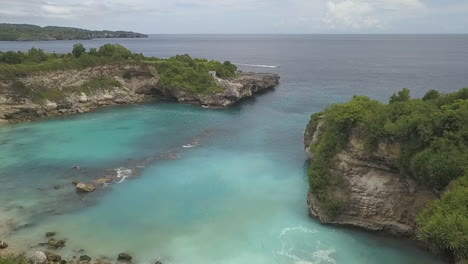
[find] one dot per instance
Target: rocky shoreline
(46, 253)
(129, 83)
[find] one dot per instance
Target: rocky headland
(73, 91)
(377, 196)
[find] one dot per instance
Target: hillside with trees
(25, 32)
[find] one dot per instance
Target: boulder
(3, 244)
(50, 234)
(55, 244)
(83, 98)
(38, 257)
(53, 257)
(85, 257)
(103, 261)
(85, 187)
(124, 257)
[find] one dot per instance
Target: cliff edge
(73, 91)
(376, 196)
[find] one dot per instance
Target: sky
(244, 16)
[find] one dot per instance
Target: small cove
(238, 193)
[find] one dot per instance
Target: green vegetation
(182, 71)
(433, 135)
(192, 75)
(31, 32)
(13, 259)
(444, 223)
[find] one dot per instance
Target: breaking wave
(257, 65)
(300, 256)
(123, 173)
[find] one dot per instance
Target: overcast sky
(245, 16)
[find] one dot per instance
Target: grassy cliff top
(32, 32)
(181, 71)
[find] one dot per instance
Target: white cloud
(368, 14)
(61, 11)
(403, 3)
(351, 14)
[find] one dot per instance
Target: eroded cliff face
(130, 84)
(378, 197)
(246, 85)
(125, 83)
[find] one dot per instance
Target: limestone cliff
(66, 91)
(377, 196)
(245, 85)
(61, 92)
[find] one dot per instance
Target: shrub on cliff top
(192, 75)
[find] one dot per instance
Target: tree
(36, 55)
(93, 51)
(115, 51)
(78, 49)
(432, 94)
(402, 96)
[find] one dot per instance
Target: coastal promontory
(36, 84)
(398, 168)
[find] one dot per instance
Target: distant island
(25, 32)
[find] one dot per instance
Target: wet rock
(76, 167)
(85, 187)
(124, 257)
(50, 234)
(38, 257)
(103, 261)
(3, 244)
(158, 262)
(42, 244)
(85, 257)
(19, 227)
(53, 257)
(55, 244)
(105, 180)
(56, 187)
(63, 261)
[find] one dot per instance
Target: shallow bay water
(213, 185)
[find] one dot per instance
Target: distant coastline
(26, 32)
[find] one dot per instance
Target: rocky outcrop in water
(246, 85)
(378, 197)
(53, 93)
(3, 244)
(85, 187)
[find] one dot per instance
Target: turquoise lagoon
(213, 186)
